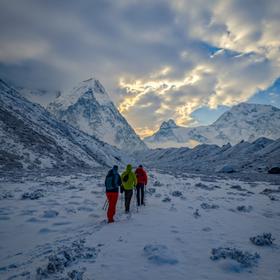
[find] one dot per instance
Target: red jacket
(141, 175)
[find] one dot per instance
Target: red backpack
(141, 176)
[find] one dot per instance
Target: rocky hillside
(258, 156)
(31, 138)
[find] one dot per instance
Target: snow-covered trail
(182, 243)
(171, 237)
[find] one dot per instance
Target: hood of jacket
(129, 168)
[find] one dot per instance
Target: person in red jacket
(142, 180)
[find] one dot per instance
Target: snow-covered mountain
(242, 122)
(39, 96)
(89, 108)
(258, 156)
(32, 138)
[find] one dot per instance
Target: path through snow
(62, 232)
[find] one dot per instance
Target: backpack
(109, 182)
(125, 178)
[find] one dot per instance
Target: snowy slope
(39, 96)
(242, 122)
(89, 108)
(32, 138)
(258, 156)
(63, 233)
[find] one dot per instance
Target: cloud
(158, 59)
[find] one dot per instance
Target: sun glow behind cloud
(245, 60)
(164, 88)
(157, 59)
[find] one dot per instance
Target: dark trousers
(127, 198)
(140, 194)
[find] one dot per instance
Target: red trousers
(112, 199)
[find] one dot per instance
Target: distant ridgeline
(245, 121)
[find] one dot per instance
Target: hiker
(112, 183)
(142, 180)
(129, 182)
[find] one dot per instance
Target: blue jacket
(112, 181)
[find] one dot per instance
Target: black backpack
(125, 178)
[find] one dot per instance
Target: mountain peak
(89, 80)
(90, 84)
(248, 112)
(252, 107)
(87, 89)
(168, 124)
(246, 121)
(89, 108)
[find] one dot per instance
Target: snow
(244, 121)
(88, 108)
(207, 224)
(39, 96)
(257, 157)
(31, 138)
(63, 233)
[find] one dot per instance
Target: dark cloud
(216, 52)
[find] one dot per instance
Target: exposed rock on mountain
(245, 121)
(89, 108)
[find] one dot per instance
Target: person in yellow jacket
(129, 182)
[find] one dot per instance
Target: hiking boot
(110, 221)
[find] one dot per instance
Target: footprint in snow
(35, 220)
(159, 254)
(173, 208)
(166, 199)
(61, 223)
(46, 230)
(4, 218)
(85, 208)
(50, 214)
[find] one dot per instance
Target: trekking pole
(122, 200)
(145, 193)
(105, 206)
(135, 198)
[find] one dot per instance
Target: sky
(187, 60)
